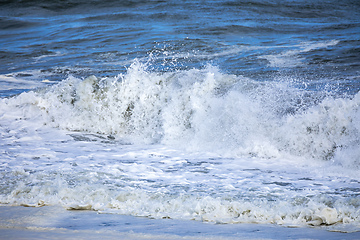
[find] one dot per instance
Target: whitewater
(195, 144)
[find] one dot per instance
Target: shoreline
(54, 222)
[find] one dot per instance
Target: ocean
(180, 119)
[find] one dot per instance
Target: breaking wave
(201, 109)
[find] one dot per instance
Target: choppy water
(221, 111)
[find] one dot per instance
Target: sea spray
(200, 109)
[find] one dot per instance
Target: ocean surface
(226, 112)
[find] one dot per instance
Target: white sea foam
(41, 57)
(10, 82)
(292, 58)
(164, 204)
(206, 146)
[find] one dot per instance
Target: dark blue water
(313, 43)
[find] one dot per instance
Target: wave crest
(203, 109)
